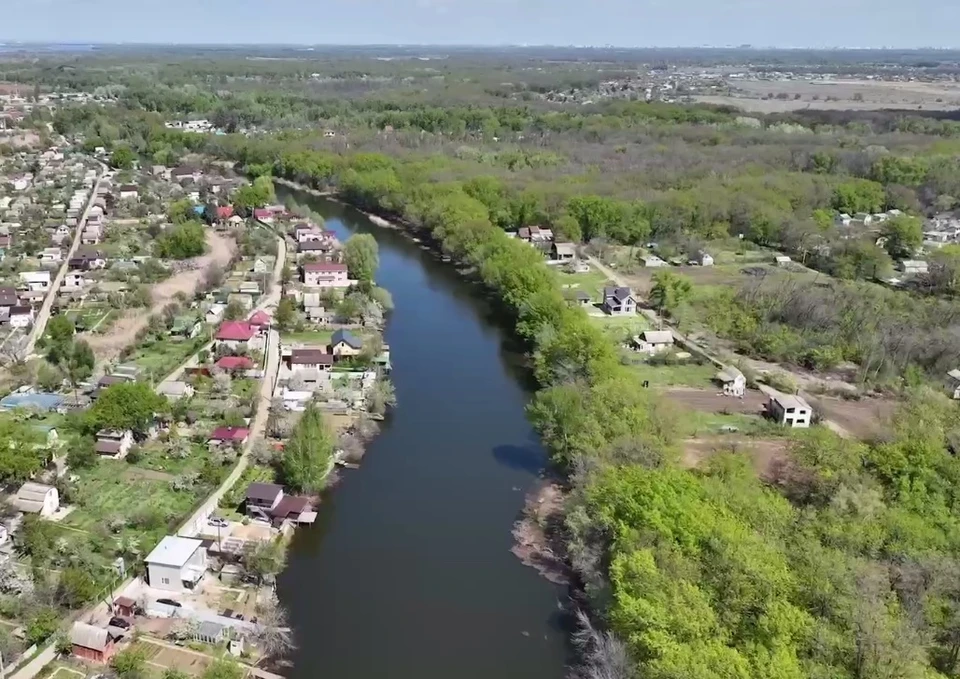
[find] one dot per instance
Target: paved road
(44, 314)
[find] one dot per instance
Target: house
(210, 632)
(176, 564)
(20, 316)
(782, 260)
(705, 259)
(37, 498)
(36, 281)
(94, 644)
(260, 266)
(790, 410)
(86, 260)
(249, 288)
(652, 261)
(913, 267)
(178, 174)
(310, 359)
(186, 326)
(563, 252)
(113, 443)
(224, 212)
(129, 191)
(619, 301)
(953, 383)
(313, 248)
(260, 320)
(73, 280)
(51, 255)
(535, 234)
(8, 297)
(293, 509)
(653, 341)
(325, 275)
(733, 381)
(263, 215)
(235, 334)
(235, 363)
(344, 344)
(90, 235)
(579, 298)
(175, 390)
(229, 435)
(215, 313)
(262, 498)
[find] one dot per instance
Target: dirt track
(124, 331)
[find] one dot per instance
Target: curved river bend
(408, 571)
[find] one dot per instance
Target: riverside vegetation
(845, 563)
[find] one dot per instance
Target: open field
(307, 337)
(591, 282)
(163, 656)
(680, 375)
(93, 319)
(865, 419)
(765, 453)
(713, 400)
(107, 347)
(843, 95)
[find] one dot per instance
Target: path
(695, 346)
(257, 428)
(40, 323)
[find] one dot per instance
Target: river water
(408, 571)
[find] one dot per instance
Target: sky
(626, 23)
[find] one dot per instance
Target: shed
(37, 498)
(92, 643)
(210, 632)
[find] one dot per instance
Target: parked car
(218, 522)
(118, 622)
(169, 602)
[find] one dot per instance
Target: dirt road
(124, 331)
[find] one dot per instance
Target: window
(790, 410)
(165, 581)
(789, 422)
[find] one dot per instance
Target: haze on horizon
(625, 23)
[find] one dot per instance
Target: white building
(653, 341)
(37, 498)
(325, 275)
(36, 281)
(790, 410)
(176, 564)
(733, 381)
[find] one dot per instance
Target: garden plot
(93, 318)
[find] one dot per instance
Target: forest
(845, 562)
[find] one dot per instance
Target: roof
(174, 388)
(619, 294)
(313, 245)
(235, 363)
(324, 267)
(347, 338)
(88, 636)
(310, 357)
(33, 491)
(263, 491)
(291, 504)
(107, 447)
(565, 248)
(657, 336)
(129, 187)
(229, 434)
(955, 374)
(174, 550)
(238, 331)
(224, 211)
(729, 374)
(40, 401)
(790, 401)
(210, 630)
(260, 318)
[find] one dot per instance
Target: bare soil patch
(766, 455)
(867, 418)
(124, 331)
(711, 401)
(536, 535)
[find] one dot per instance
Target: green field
(310, 337)
(93, 317)
(697, 423)
(592, 283)
(678, 375)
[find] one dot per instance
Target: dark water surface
(408, 571)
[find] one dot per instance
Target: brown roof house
(95, 644)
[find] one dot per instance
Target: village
(164, 331)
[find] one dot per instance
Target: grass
(677, 375)
(93, 316)
(697, 423)
(161, 357)
(591, 283)
(621, 328)
(156, 457)
(311, 337)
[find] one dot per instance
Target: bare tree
(603, 656)
(272, 632)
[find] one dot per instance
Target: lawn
(698, 423)
(688, 374)
(162, 357)
(309, 337)
(93, 318)
(156, 457)
(621, 328)
(592, 283)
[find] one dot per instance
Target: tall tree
(306, 456)
(361, 255)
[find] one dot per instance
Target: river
(408, 572)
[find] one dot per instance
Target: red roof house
(235, 331)
(225, 212)
(260, 319)
(229, 435)
(263, 215)
(235, 363)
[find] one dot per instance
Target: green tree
(80, 363)
(234, 311)
(669, 291)
(76, 587)
(131, 405)
(60, 331)
(180, 211)
(183, 241)
(904, 236)
(286, 314)
(122, 158)
(266, 560)
(130, 663)
(306, 456)
(361, 255)
(222, 669)
(42, 624)
(22, 454)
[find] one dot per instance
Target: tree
(131, 405)
(306, 456)
(122, 158)
(266, 560)
(80, 363)
(130, 663)
(361, 255)
(76, 587)
(49, 378)
(42, 624)
(669, 291)
(222, 669)
(234, 311)
(180, 211)
(183, 241)
(286, 314)
(381, 396)
(272, 630)
(22, 454)
(904, 236)
(60, 331)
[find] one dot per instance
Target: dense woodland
(843, 564)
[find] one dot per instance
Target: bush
(182, 241)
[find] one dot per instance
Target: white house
(733, 381)
(619, 301)
(781, 260)
(652, 262)
(653, 341)
(114, 443)
(953, 383)
(176, 564)
(913, 266)
(325, 275)
(128, 191)
(20, 316)
(705, 259)
(790, 410)
(36, 281)
(74, 280)
(51, 255)
(37, 498)
(175, 390)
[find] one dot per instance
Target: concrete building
(789, 410)
(176, 564)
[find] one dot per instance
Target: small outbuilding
(92, 643)
(38, 498)
(733, 381)
(790, 410)
(653, 341)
